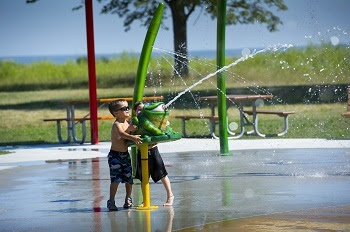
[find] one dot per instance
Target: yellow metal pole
(145, 179)
(148, 224)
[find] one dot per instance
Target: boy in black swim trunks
(119, 160)
(156, 166)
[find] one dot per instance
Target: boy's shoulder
(118, 121)
(119, 124)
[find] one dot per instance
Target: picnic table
(239, 101)
(72, 120)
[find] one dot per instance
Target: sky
(50, 27)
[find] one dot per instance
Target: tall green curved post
(146, 54)
(221, 78)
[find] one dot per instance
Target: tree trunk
(180, 38)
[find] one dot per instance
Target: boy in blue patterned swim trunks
(119, 160)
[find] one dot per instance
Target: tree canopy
(237, 12)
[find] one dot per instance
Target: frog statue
(152, 123)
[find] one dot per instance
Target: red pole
(92, 70)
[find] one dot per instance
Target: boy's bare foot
(169, 201)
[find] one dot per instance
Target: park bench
(72, 120)
(237, 100)
(185, 118)
(347, 113)
(213, 121)
(71, 127)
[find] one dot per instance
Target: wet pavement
(253, 190)
(319, 219)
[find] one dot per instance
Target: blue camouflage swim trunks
(120, 167)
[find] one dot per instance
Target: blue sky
(50, 27)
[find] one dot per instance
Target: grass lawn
(22, 115)
(2, 152)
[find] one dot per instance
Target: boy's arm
(131, 128)
(135, 138)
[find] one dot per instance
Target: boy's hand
(137, 139)
(132, 128)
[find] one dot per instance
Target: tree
(238, 12)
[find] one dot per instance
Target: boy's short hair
(137, 104)
(114, 105)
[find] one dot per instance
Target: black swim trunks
(156, 166)
(120, 167)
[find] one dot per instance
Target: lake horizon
(61, 59)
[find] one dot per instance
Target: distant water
(60, 59)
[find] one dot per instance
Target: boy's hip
(118, 154)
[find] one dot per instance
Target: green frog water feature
(153, 124)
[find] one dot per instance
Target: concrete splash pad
(307, 187)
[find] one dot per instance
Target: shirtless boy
(119, 160)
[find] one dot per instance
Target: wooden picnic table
(72, 120)
(237, 98)
(240, 101)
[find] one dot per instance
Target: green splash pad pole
(146, 54)
(221, 78)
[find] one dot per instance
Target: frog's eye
(159, 108)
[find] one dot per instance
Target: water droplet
(233, 126)
(259, 103)
(334, 40)
(245, 52)
(249, 193)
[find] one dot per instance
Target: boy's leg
(128, 199)
(112, 191)
(170, 196)
(158, 172)
(128, 188)
(127, 178)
